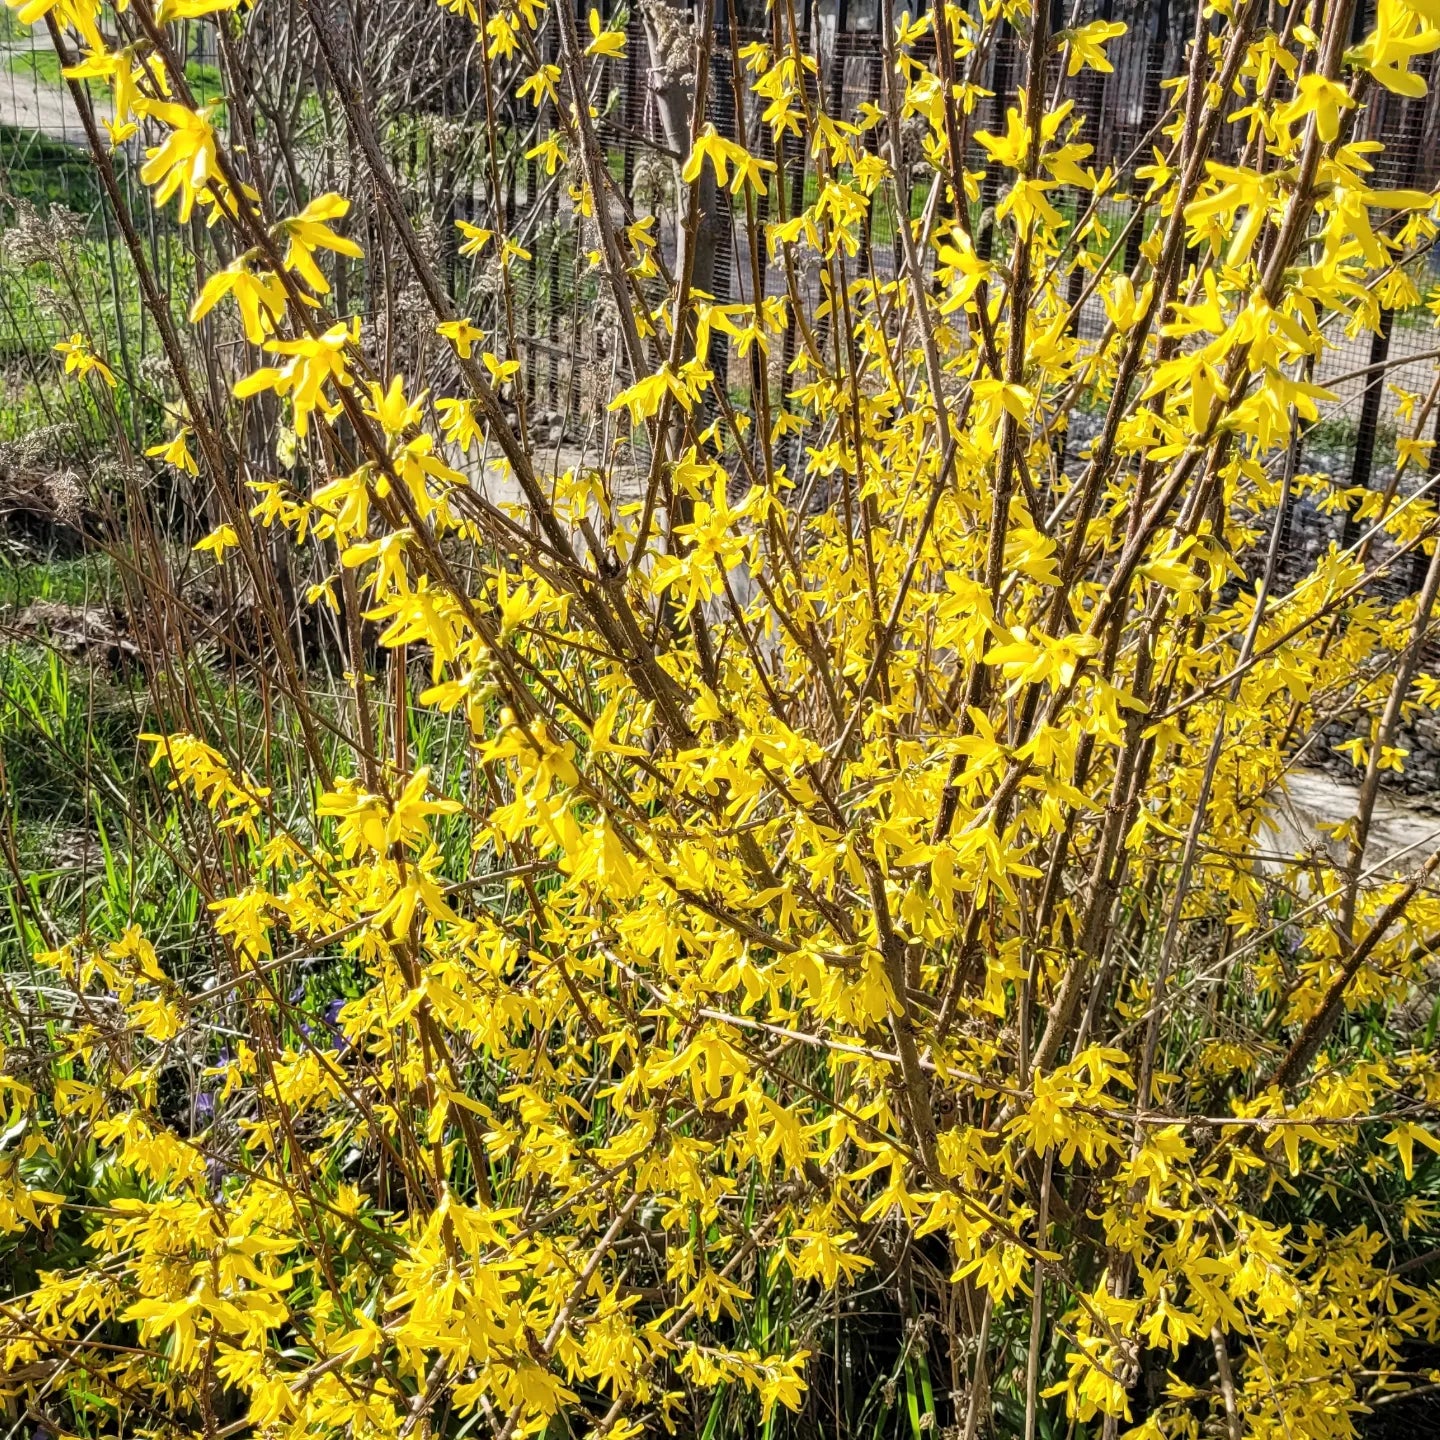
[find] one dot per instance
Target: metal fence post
(1369, 421)
(990, 185)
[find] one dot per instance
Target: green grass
(64, 723)
(91, 853)
(46, 172)
(77, 580)
(44, 65)
(97, 850)
(204, 81)
(76, 278)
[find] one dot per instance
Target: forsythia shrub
(857, 876)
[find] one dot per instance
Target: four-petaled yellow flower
(309, 231)
(185, 162)
(315, 361)
(1087, 45)
(462, 334)
(81, 359)
(218, 541)
(723, 154)
(176, 452)
(606, 44)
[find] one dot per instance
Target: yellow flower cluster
(857, 872)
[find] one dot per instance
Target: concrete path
(1298, 823)
(30, 102)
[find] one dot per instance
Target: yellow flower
(309, 231)
(81, 360)
(1087, 45)
(540, 86)
(218, 541)
(118, 69)
(723, 154)
(82, 15)
(475, 238)
(500, 370)
(170, 11)
(461, 334)
(607, 44)
(185, 162)
(260, 298)
(315, 361)
(177, 453)
(1325, 99)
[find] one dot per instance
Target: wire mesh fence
(554, 311)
